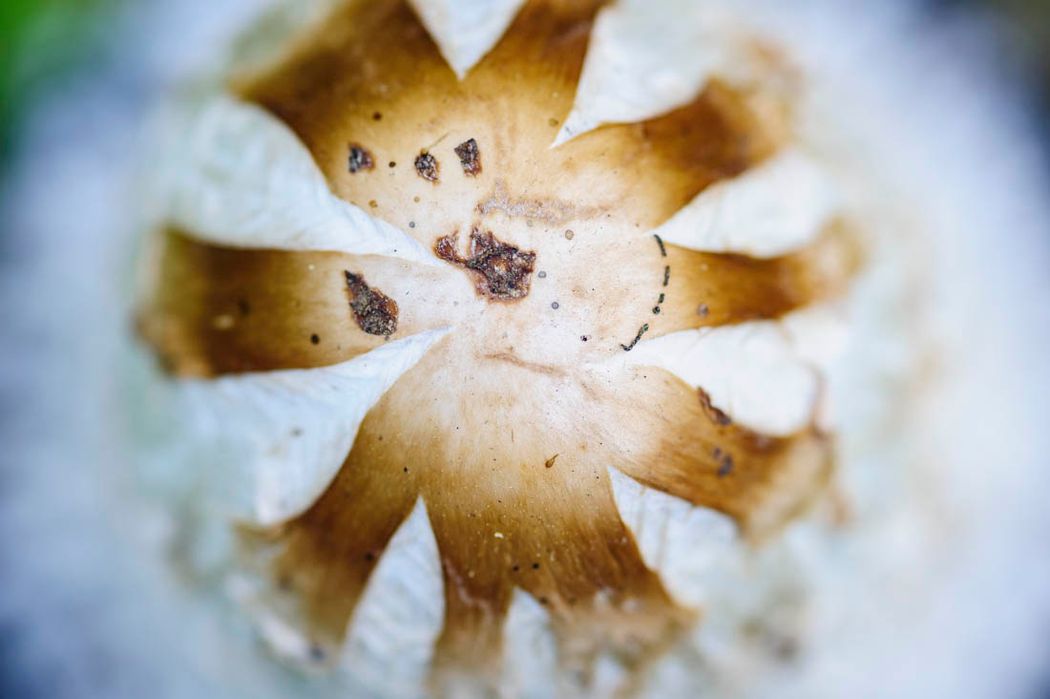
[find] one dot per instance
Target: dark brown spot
(315, 339)
(377, 116)
(392, 164)
(550, 462)
(469, 157)
(569, 235)
(501, 271)
(667, 274)
(702, 310)
(427, 166)
(375, 312)
(360, 158)
(726, 466)
(717, 416)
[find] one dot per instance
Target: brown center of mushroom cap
(546, 268)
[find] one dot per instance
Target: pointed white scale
(466, 30)
(242, 178)
(753, 371)
(647, 57)
(678, 540)
(530, 642)
(772, 209)
(399, 618)
(276, 439)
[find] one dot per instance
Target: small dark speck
(535, 566)
(316, 652)
(544, 601)
(542, 275)
(656, 310)
(515, 569)
(667, 274)
(373, 203)
(405, 469)
(377, 116)
(702, 310)
(569, 235)
(552, 121)
(585, 337)
(297, 432)
(726, 466)
(415, 199)
(555, 305)
(392, 164)
(370, 556)
(315, 339)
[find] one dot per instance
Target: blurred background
(52, 47)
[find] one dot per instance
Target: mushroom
(468, 296)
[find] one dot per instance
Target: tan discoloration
(472, 428)
(562, 540)
(218, 310)
(624, 176)
(711, 289)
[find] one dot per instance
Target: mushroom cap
(475, 314)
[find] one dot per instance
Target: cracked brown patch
(469, 157)
(375, 312)
(427, 166)
(501, 271)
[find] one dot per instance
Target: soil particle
(427, 166)
(360, 158)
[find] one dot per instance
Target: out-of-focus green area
(40, 41)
